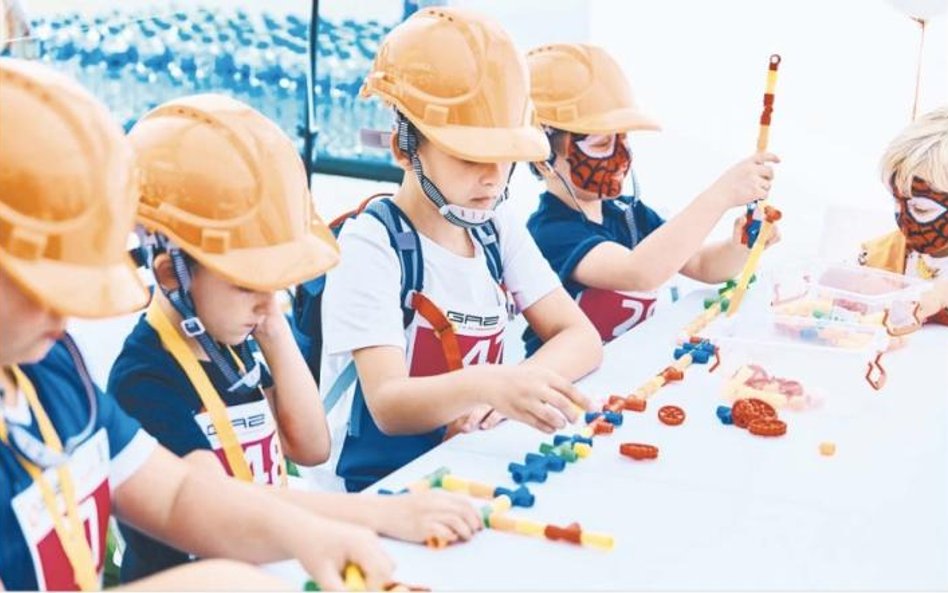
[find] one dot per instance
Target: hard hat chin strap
(240, 383)
(468, 218)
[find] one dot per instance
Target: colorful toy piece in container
(849, 294)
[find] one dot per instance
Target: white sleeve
(131, 458)
(361, 301)
(527, 274)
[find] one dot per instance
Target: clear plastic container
(761, 361)
(849, 294)
(800, 348)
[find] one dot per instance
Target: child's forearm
(415, 405)
(573, 353)
(295, 398)
(367, 510)
(717, 262)
(668, 249)
(179, 504)
(571, 345)
(208, 575)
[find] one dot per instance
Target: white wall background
(845, 88)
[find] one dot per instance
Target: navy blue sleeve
(59, 375)
(647, 219)
(120, 427)
(564, 243)
(577, 254)
(157, 402)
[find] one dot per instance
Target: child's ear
(164, 273)
(558, 143)
(544, 170)
(401, 158)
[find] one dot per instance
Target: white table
(720, 508)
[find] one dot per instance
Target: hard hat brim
(611, 122)
(273, 268)
(74, 290)
(489, 145)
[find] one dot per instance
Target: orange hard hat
(227, 186)
(67, 197)
(459, 79)
(579, 88)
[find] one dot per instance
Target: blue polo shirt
(565, 236)
(30, 556)
(152, 387)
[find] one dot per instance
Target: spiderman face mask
(599, 163)
(923, 218)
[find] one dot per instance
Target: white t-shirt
(361, 303)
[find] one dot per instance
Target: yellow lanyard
(72, 536)
(175, 344)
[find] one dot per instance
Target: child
(212, 369)
(915, 169)
(69, 456)
(414, 315)
(611, 251)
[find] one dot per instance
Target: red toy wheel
(746, 410)
(767, 427)
(671, 415)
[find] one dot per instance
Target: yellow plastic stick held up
(763, 134)
(749, 267)
(771, 215)
(763, 138)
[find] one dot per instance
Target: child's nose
(493, 173)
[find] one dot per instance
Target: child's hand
(737, 234)
(274, 321)
(745, 182)
(326, 547)
(418, 516)
(483, 417)
(530, 394)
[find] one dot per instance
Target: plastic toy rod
(763, 134)
(703, 319)
(432, 480)
(763, 139)
(571, 533)
(749, 267)
(452, 483)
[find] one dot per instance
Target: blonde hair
(920, 150)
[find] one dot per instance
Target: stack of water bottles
(135, 61)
